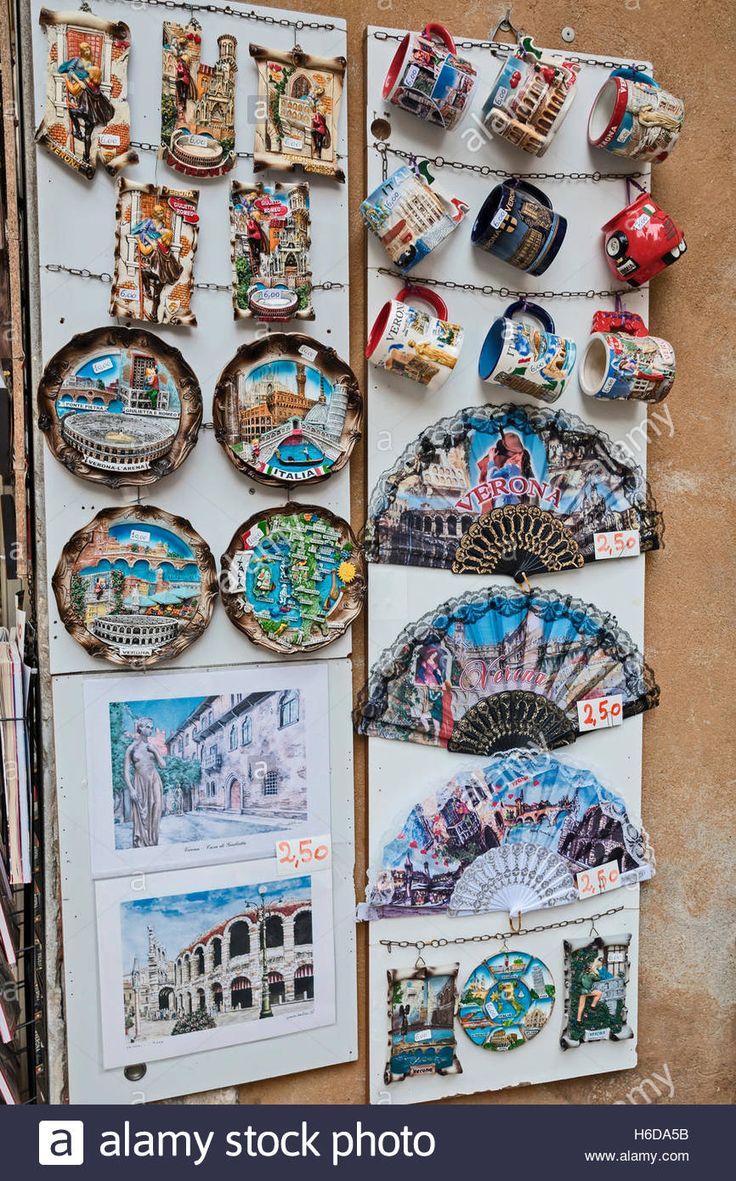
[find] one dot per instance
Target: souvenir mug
(410, 216)
(632, 116)
(621, 360)
(528, 358)
(408, 341)
(517, 223)
(428, 79)
(641, 241)
(530, 98)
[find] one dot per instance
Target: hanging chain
(504, 173)
(281, 22)
(143, 146)
(502, 49)
(505, 292)
(57, 268)
(498, 936)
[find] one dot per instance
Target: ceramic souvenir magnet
(507, 1000)
(270, 242)
(287, 410)
(197, 102)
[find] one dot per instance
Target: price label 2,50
(598, 880)
(600, 712)
(300, 854)
(622, 543)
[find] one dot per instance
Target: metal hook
(516, 930)
(420, 961)
(524, 583)
(618, 303)
(594, 930)
(505, 25)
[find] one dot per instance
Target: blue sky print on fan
(501, 668)
(507, 490)
(523, 798)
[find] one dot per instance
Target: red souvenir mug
(406, 340)
(641, 241)
(428, 79)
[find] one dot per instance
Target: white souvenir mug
(622, 361)
(421, 347)
(427, 78)
(529, 358)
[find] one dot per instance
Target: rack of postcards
(512, 235)
(194, 398)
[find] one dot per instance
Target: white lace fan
(517, 878)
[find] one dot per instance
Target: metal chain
(105, 277)
(505, 292)
(499, 936)
(504, 173)
(282, 22)
(148, 147)
(502, 49)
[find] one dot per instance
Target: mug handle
(434, 30)
(532, 309)
(535, 192)
(634, 75)
(423, 293)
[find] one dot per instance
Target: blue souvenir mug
(529, 358)
(517, 224)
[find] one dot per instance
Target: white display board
(74, 226)
(399, 410)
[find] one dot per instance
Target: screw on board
(568, 34)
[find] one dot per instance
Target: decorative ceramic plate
(507, 1000)
(135, 586)
(293, 579)
(287, 410)
(119, 406)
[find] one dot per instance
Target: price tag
(600, 712)
(598, 880)
(297, 855)
(623, 543)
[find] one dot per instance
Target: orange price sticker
(297, 855)
(600, 712)
(596, 881)
(621, 543)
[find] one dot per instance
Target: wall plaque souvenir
(9, 1078)
(293, 579)
(507, 1000)
(298, 111)
(641, 241)
(407, 341)
(135, 586)
(501, 668)
(622, 361)
(287, 410)
(411, 215)
(530, 98)
(507, 490)
(509, 836)
(634, 117)
(119, 406)
(429, 79)
(422, 1003)
(530, 358)
(517, 224)
(596, 976)
(86, 121)
(270, 240)
(197, 102)
(155, 244)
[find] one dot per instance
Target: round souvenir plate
(135, 586)
(293, 578)
(287, 410)
(119, 406)
(507, 1000)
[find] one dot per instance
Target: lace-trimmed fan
(507, 490)
(502, 668)
(508, 836)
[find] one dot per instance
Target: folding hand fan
(501, 668)
(511, 835)
(508, 490)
